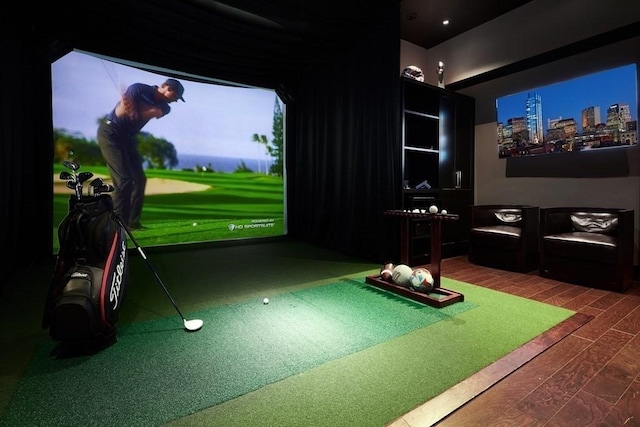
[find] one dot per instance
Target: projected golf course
(185, 207)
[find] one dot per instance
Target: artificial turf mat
(340, 354)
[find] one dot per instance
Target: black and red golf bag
(90, 277)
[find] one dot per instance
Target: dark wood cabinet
(437, 163)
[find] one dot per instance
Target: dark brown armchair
(504, 237)
(587, 246)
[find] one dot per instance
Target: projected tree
(275, 147)
(277, 143)
(158, 153)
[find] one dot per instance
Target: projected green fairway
(186, 206)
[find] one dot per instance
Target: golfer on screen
(118, 144)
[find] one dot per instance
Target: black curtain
(343, 152)
(25, 150)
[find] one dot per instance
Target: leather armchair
(504, 237)
(587, 246)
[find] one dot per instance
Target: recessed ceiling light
(445, 22)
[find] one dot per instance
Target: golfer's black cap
(177, 87)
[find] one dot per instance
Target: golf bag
(90, 276)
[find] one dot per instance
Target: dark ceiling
(421, 20)
(260, 42)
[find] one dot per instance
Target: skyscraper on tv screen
(534, 118)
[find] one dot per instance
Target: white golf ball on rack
(433, 209)
(443, 212)
(400, 274)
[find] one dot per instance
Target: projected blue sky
(214, 121)
(567, 99)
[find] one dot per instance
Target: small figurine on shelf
(441, 74)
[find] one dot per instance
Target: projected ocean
(220, 164)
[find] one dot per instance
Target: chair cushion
(581, 245)
(594, 222)
(497, 236)
(500, 229)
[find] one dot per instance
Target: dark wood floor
(585, 372)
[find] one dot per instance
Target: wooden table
(438, 297)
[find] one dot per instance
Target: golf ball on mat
(265, 301)
(195, 223)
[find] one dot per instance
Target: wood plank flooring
(584, 372)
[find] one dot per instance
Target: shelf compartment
(421, 132)
(420, 97)
(420, 166)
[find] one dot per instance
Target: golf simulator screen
(213, 165)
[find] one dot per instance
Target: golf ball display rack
(438, 297)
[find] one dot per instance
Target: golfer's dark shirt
(141, 94)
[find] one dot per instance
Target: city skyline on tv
(591, 111)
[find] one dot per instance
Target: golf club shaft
(153, 270)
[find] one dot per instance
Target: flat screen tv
(214, 164)
(594, 112)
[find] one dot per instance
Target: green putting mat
(157, 372)
(342, 354)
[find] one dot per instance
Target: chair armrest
(555, 220)
(625, 230)
(531, 219)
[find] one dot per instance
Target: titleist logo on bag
(116, 282)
